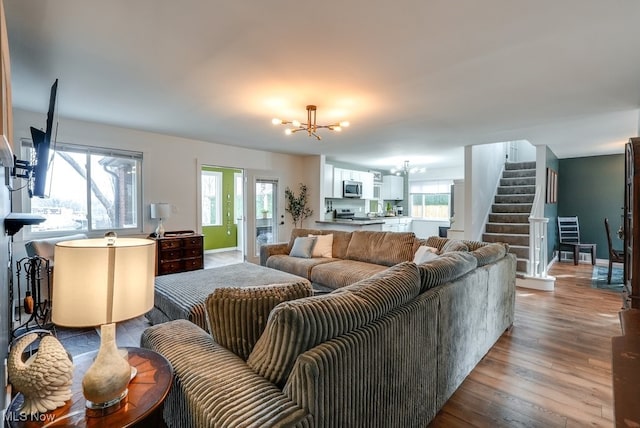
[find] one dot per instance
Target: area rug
(599, 278)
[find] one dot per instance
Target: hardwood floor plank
(553, 368)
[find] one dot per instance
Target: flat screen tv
(42, 141)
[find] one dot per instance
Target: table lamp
(101, 282)
(160, 211)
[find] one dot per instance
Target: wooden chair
(569, 238)
(614, 255)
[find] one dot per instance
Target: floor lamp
(101, 282)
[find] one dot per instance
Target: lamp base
(160, 229)
(96, 410)
(105, 383)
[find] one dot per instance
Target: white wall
(483, 168)
(170, 165)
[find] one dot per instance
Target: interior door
(266, 211)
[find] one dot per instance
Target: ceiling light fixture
(311, 126)
(406, 170)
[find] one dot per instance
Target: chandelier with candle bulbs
(405, 169)
(311, 127)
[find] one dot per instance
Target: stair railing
(537, 237)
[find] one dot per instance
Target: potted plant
(297, 205)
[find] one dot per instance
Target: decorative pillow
(425, 254)
(303, 247)
(323, 246)
(454, 245)
(237, 316)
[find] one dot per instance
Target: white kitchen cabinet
(328, 187)
(393, 187)
(367, 185)
(397, 224)
(337, 182)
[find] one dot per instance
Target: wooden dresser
(179, 252)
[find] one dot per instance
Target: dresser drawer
(192, 252)
(193, 264)
(167, 244)
(173, 254)
(174, 266)
(192, 242)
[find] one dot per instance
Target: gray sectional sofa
(387, 350)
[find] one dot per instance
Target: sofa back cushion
(238, 315)
(446, 268)
(381, 248)
(489, 253)
(297, 326)
(340, 239)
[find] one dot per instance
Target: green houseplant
(297, 205)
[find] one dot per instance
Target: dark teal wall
(551, 210)
(593, 188)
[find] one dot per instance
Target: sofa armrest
(214, 387)
(269, 250)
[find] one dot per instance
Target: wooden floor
(553, 369)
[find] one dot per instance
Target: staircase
(509, 218)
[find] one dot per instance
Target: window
(90, 189)
(211, 198)
(430, 199)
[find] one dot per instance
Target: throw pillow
(303, 247)
(425, 254)
(238, 315)
(323, 246)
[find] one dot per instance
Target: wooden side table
(147, 392)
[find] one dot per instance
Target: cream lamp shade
(101, 282)
(96, 283)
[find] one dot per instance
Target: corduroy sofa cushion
(381, 248)
(446, 268)
(296, 265)
(340, 273)
(454, 245)
(237, 316)
(489, 253)
(297, 326)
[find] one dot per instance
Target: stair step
(515, 239)
(517, 190)
(514, 199)
(521, 251)
(513, 228)
(519, 173)
(519, 181)
(511, 208)
(519, 165)
(522, 266)
(509, 218)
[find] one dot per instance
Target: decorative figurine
(45, 378)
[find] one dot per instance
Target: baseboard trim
(534, 283)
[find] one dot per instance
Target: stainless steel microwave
(351, 189)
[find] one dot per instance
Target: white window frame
(219, 203)
(26, 149)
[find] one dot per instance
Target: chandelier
(311, 126)
(404, 169)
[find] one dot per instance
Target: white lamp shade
(95, 283)
(161, 210)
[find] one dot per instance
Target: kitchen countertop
(352, 222)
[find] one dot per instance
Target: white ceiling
(417, 79)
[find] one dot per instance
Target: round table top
(147, 391)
